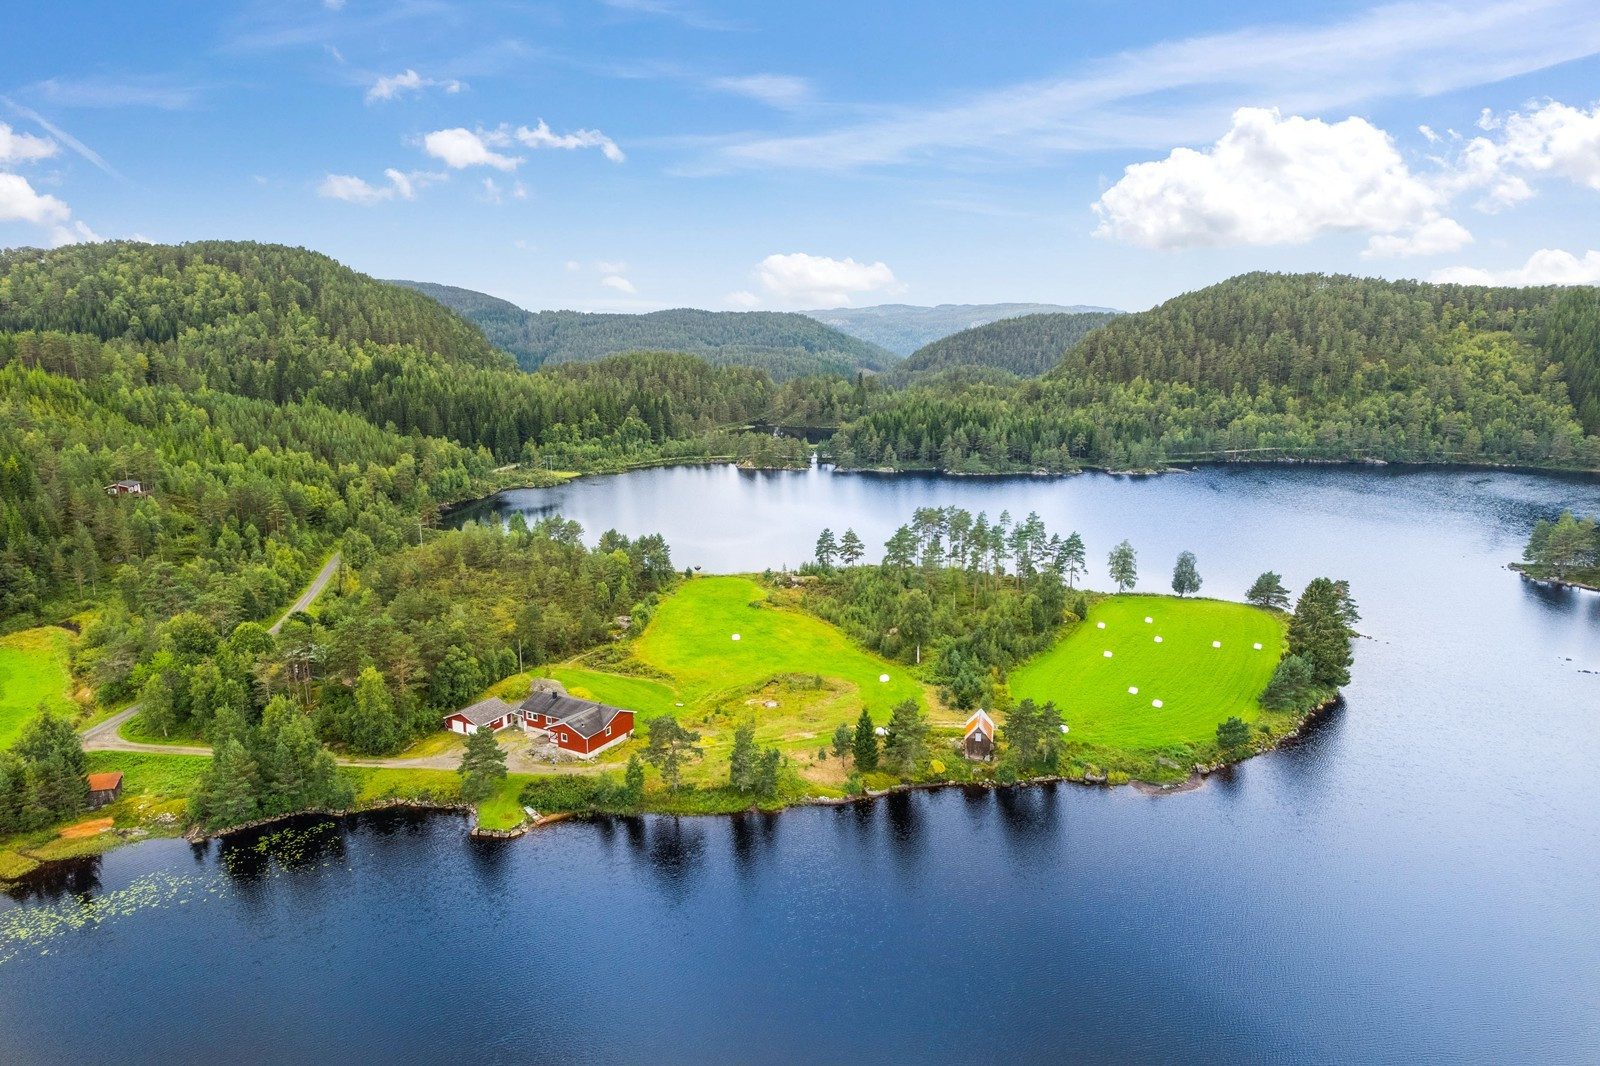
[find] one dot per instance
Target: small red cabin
(582, 727)
(126, 488)
(493, 714)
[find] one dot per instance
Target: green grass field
(691, 640)
(34, 669)
(644, 697)
(1198, 685)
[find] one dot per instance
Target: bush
(567, 793)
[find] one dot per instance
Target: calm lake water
(1418, 880)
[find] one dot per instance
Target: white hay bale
(1099, 625)
(1258, 647)
(883, 677)
(1155, 703)
(1148, 619)
(736, 636)
(1158, 640)
(1216, 643)
(1133, 690)
(1108, 654)
(1065, 729)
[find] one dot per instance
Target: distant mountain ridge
(785, 345)
(904, 328)
(1027, 346)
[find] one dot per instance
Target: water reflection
(675, 854)
(53, 882)
(1030, 817)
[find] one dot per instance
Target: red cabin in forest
(582, 727)
(493, 714)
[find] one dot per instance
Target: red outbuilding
(493, 714)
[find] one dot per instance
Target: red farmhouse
(582, 727)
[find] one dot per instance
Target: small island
(487, 667)
(1563, 552)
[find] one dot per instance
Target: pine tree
(1268, 591)
(633, 780)
(1318, 631)
(865, 744)
(766, 776)
(743, 760)
(1232, 733)
(907, 742)
(850, 548)
(1290, 679)
(843, 740)
(1071, 559)
(670, 746)
(483, 765)
(826, 549)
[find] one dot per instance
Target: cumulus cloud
(1271, 180)
(1547, 266)
(782, 91)
(805, 280)
(24, 147)
(618, 282)
(495, 194)
(356, 190)
(408, 81)
(743, 298)
(19, 202)
(1554, 138)
(460, 148)
(1430, 238)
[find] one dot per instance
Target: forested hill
(1026, 346)
(272, 403)
(903, 328)
(259, 296)
(782, 344)
(1269, 366)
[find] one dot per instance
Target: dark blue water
(1417, 880)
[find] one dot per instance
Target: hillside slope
(1026, 346)
(903, 328)
(1267, 366)
(782, 344)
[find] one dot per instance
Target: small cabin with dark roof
(979, 740)
(493, 714)
(582, 727)
(104, 788)
(127, 487)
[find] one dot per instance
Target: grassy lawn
(1198, 685)
(185, 734)
(645, 698)
(444, 742)
(34, 669)
(691, 640)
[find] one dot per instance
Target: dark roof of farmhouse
(485, 711)
(584, 717)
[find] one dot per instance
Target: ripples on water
(1413, 880)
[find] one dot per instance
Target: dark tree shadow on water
(56, 881)
(1030, 816)
(675, 854)
(753, 835)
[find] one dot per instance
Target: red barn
(582, 727)
(493, 713)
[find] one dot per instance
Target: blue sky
(637, 154)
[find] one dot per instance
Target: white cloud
(1269, 180)
(75, 232)
(1160, 94)
(333, 5)
(683, 13)
(1554, 138)
(573, 266)
(461, 148)
(805, 280)
(541, 137)
(356, 190)
(782, 91)
(743, 298)
(24, 147)
(621, 284)
(1547, 266)
(20, 203)
(408, 81)
(467, 148)
(1430, 238)
(611, 267)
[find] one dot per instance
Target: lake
(1416, 879)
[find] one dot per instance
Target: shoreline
(1197, 779)
(1521, 570)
